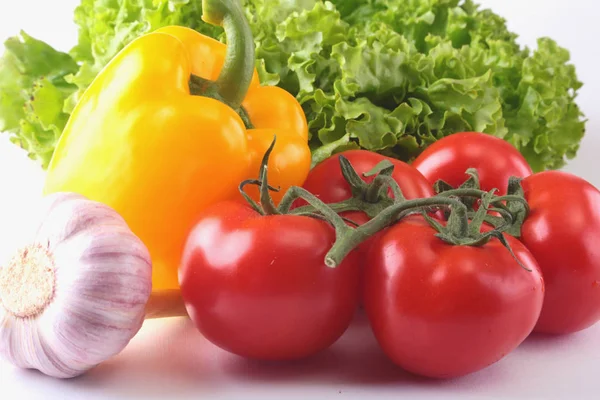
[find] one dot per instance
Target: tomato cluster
(257, 283)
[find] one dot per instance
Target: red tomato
(495, 159)
(444, 311)
(563, 234)
(257, 286)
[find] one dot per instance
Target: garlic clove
(75, 295)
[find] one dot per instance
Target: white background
(169, 359)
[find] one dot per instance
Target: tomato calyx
(267, 205)
(369, 198)
(513, 202)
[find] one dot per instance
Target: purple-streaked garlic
(78, 291)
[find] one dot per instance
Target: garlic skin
(75, 295)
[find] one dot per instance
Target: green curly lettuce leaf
(391, 76)
(33, 90)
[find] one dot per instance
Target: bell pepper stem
(236, 74)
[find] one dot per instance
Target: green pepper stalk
(236, 74)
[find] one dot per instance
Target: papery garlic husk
(74, 295)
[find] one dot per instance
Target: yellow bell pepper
(172, 125)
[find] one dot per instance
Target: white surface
(169, 359)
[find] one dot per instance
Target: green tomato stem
(353, 237)
(379, 187)
(342, 231)
(369, 198)
(266, 206)
(266, 200)
(357, 185)
(478, 193)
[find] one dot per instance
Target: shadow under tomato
(172, 357)
(541, 341)
(355, 358)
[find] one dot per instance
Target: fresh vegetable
(495, 160)
(171, 126)
(559, 226)
(391, 76)
(443, 310)
(78, 291)
(562, 231)
(33, 87)
(255, 283)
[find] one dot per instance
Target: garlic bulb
(76, 294)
